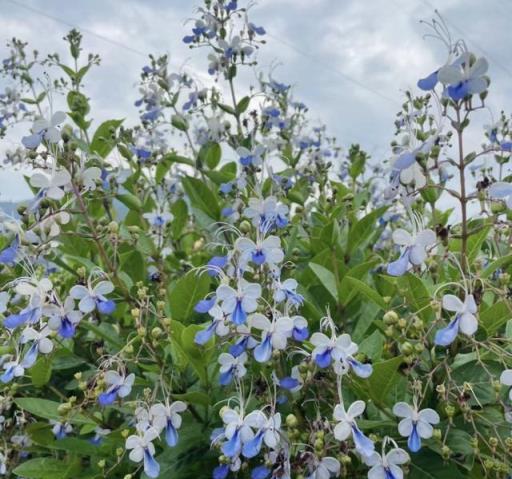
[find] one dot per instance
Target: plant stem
(462, 198)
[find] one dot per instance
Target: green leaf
(493, 318)
(167, 161)
(130, 200)
(193, 397)
(185, 294)
(48, 468)
(41, 372)
(49, 410)
(417, 296)
(327, 279)
(384, 378)
(366, 291)
(361, 232)
(202, 197)
(179, 122)
(102, 142)
(210, 154)
(243, 104)
(499, 263)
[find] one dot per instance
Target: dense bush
(218, 290)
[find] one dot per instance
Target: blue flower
(428, 83)
(8, 255)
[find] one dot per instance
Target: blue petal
(96, 440)
(459, 91)
(364, 445)
(360, 369)
(15, 320)
(67, 328)
(260, 472)
(217, 262)
(8, 255)
(414, 441)
(288, 383)
(32, 141)
(221, 472)
(400, 266)
(232, 447)
(108, 397)
(239, 347)
(429, 82)
(258, 257)
(202, 337)
(226, 378)
(446, 336)
(30, 357)
(61, 432)
(323, 360)
(252, 447)
(204, 305)
(239, 316)
(300, 334)
(106, 307)
(171, 435)
(8, 375)
(263, 351)
(151, 467)
(506, 146)
(405, 160)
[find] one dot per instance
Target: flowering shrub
(217, 291)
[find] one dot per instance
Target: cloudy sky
(348, 60)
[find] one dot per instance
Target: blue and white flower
(13, 369)
(217, 326)
(347, 427)
(63, 318)
(231, 367)
(94, 297)
(142, 449)
(414, 249)
(238, 303)
(287, 291)
(415, 425)
(61, 429)
(274, 335)
(263, 251)
(44, 129)
(51, 185)
(324, 468)
(465, 320)
(40, 344)
(166, 417)
(386, 466)
(268, 432)
(118, 385)
(252, 157)
(464, 77)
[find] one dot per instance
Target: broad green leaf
(48, 468)
(202, 197)
(327, 279)
(49, 410)
(243, 104)
(185, 294)
(210, 154)
(103, 142)
(366, 291)
(493, 318)
(41, 372)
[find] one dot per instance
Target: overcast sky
(326, 49)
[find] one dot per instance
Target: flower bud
(291, 420)
(390, 317)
